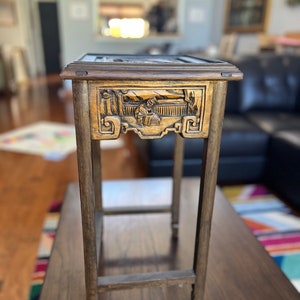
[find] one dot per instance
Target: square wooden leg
(177, 175)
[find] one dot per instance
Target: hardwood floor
(28, 183)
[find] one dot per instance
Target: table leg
(207, 189)
(97, 187)
(85, 172)
(177, 175)
(97, 176)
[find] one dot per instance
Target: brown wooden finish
(96, 161)
(161, 68)
(85, 171)
(238, 266)
(207, 189)
(182, 108)
(99, 233)
(152, 209)
(145, 280)
(151, 105)
(177, 175)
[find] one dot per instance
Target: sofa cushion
(283, 168)
(232, 170)
(239, 138)
(291, 137)
(162, 149)
(275, 121)
(237, 170)
(271, 83)
(293, 79)
(232, 97)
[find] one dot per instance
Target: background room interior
(200, 26)
(259, 160)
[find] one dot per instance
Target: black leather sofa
(261, 130)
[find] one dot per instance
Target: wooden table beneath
(238, 266)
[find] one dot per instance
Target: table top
(149, 67)
(145, 59)
(238, 266)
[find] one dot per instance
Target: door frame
(36, 33)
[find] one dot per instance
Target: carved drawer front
(150, 112)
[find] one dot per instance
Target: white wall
(283, 18)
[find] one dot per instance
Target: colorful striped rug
(273, 224)
(46, 242)
(270, 220)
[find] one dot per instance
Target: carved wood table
(151, 96)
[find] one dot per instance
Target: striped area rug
(273, 224)
(46, 242)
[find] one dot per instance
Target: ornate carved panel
(151, 113)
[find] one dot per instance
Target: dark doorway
(50, 36)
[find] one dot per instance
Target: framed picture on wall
(246, 16)
(7, 12)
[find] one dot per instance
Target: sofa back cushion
(270, 83)
(232, 97)
(293, 78)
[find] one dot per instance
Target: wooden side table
(150, 95)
